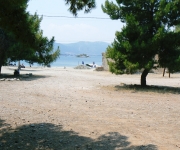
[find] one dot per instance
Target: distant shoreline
(69, 61)
(38, 69)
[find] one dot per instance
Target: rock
(99, 68)
(11, 80)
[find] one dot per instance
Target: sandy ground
(69, 109)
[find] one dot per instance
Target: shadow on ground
(21, 77)
(157, 89)
(24, 69)
(47, 136)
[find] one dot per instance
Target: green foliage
(169, 52)
(177, 29)
(4, 44)
(112, 10)
(147, 32)
(41, 52)
(76, 6)
(20, 34)
(15, 19)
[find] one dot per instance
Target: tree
(148, 28)
(76, 6)
(4, 44)
(41, 52)
(14, 17)
(16, 22)
(169, 53)
(177, 28)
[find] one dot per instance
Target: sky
(71, 30)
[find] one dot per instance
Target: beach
(82, 109)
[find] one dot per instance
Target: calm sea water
(73, 61)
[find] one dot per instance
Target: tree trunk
(0, 68)
(164, 71)
(143, 77)
(19, 65)
(169, 75)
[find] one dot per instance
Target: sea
(72, 61)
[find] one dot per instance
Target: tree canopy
(147, 32)
(14, 17)
(20, 34)
(76, 6)
(41, 51)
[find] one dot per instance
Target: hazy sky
(70, 30)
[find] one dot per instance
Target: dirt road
(68, 109)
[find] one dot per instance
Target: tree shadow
(21, 77)
(33, 69)
(3, 124)
(47, 136)
(148, 88)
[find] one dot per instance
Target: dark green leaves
(147, 33)
(77, 5)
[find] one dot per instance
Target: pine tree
(20, 35)
(41, 52)
(14, 17)
(147, 32)
(76, 6)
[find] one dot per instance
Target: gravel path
(69, 109)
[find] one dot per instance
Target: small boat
(92, 65)
(82, 55)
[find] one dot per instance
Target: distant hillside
(90, 48)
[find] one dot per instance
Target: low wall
(105, 62)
